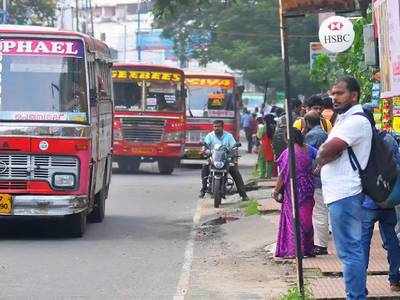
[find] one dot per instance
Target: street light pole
(4, 11)
(139, 54)
(77, 14)
(292, 158)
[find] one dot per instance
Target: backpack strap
(355, 164)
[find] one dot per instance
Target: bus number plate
(5, 204)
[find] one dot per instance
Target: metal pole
(4, 11)
(77, 14)
(124, 42)
(139, 54)
(292, 159)
(91, 16)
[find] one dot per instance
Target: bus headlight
(64, 180)
(117, 134)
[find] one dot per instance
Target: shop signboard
(317, 49)
(298, 6)
(336, 34)
(387, 14)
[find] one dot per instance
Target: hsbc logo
(336, 34)
(335, 26)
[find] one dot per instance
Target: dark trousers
(233, 170)
(387, 221)
(249, 138)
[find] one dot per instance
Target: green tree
(32, 12)
(325, 72)
(243, 34)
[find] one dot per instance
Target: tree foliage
(32, 12)
(351, 62)
(244, 34)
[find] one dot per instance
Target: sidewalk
(323, 273)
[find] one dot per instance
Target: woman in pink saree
(286, 247)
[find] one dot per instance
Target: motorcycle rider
(221, 137)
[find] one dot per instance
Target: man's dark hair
(327, 102)
(295, 103)
(314, 100)
(312, 119)
(351, 84)
(218, 122)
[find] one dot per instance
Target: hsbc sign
(336, 34)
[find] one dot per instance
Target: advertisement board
(387, 14)
(153, 40)
(294, 6)
(317, 49)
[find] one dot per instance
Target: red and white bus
(209, 97)
(150, 119)
(56, 125)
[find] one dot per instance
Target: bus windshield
(147, 91)
(209, 101)
(43, 80)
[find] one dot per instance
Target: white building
(118, 22)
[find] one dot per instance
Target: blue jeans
(346, 219)
(387, 222)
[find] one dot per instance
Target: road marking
(184, 279)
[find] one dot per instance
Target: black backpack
(380, 175)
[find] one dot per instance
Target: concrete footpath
(234, 256)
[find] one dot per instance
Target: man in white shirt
(341, 185)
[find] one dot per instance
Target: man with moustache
(341, 185)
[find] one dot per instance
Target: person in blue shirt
(246, 122)
(220, 137)
(386, 219)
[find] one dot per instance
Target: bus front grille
(143, 130)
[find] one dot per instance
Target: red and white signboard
(72, 48)
(336, 34)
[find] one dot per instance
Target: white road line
(184, 279)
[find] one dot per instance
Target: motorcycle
(219, 183)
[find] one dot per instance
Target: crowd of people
(329, 191)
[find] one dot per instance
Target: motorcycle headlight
(64, 180)
(218, 164)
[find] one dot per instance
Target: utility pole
(139, 54)
(4, 11)
(124, 42)
(292, 158)
(77, 14)
(91, 17)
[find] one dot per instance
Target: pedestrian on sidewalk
(286, 247)
(328, 112)
(265, 133)
(387, 221)
(246, 122)
(315, 137)
(314, 103)
(341, 185)
(279, 143)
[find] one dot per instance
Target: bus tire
(165, 166)
(134, 165)
(99, 208)
(77, 224)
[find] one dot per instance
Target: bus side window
(92, 83)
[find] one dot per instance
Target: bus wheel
(165, 166)
(98, 212)
(134, 165)
(77, 224)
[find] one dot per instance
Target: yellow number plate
(5, 204)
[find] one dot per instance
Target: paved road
(136, 253)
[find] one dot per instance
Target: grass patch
(294, 294)
(251, 208)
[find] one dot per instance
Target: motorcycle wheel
(217, 194)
